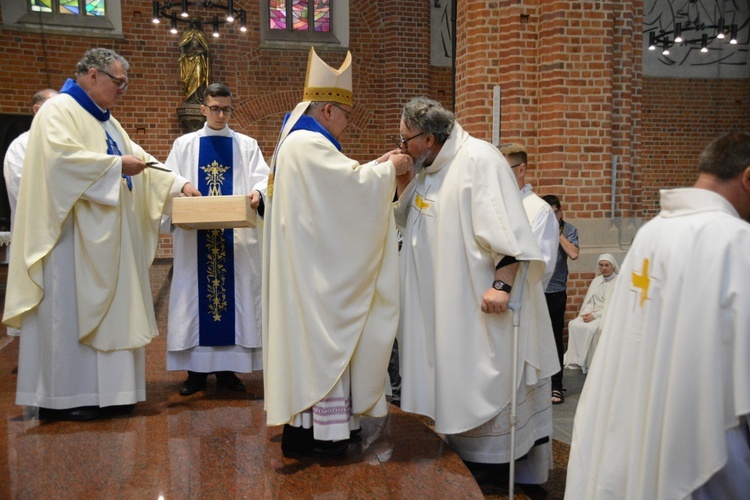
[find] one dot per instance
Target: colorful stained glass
(41, 5)
(299, 15)
(322, 15)
(69, 7)
(95, 7)
(277, 14)
(305, 15)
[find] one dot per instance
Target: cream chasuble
(459, 218)
(670, 378)
(249, 172)
(330, 278)
(115, 309)
(78, 275)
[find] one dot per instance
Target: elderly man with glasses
(330, 273)
(203, 338)
(465, 231)
(85, 233)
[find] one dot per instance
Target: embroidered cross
(422, 203)
(214, 177)
(642, 281)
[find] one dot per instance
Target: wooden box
(213, 212)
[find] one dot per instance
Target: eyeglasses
(215, 110)
(516, 165)
(122, 83)
(348, 114)
(403, 141)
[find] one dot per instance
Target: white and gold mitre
(323, 83)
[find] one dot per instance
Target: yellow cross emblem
(421, 203)
(642, 281)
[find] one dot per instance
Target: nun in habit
(584, 331)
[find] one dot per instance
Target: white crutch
(515, 305)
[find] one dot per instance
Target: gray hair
(315, 106)
(429, 117)
(727, 156)
(101, 59)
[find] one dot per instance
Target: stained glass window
(300, 15)
(277, 14)
(41, 5)
(69, 7)
(322, 15)
(94, 7)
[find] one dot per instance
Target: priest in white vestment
(330, 273)
(665, 411)
(86, 231)
(584, 330)
(465, 231)
(216, 329)
(542, 218)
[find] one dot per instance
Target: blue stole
(308, 123)
(71, 88)
(303, 123)
(215, 247)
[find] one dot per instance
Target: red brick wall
(680, 116)
(562, 66)
(570, 74)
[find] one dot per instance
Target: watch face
(497, 286)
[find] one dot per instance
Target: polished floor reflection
(215, 444)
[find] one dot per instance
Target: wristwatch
(502, 286)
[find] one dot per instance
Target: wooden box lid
(213, 212)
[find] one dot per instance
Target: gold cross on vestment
(421, 203)
(642, 281)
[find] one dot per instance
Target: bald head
(40, 97)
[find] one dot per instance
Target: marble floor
(215, 444)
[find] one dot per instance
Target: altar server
(214, 321)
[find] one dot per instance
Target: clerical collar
(223, 132)
(609, 278)
(308, 123)
(82, 98)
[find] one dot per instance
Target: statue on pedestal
(195, 74)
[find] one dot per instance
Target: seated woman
(584, 331)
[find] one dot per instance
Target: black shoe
(229, 380)
(489, 475)
(116, 410)
(78, 414)
(194, 383)
(355, 436)
(297, 441)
